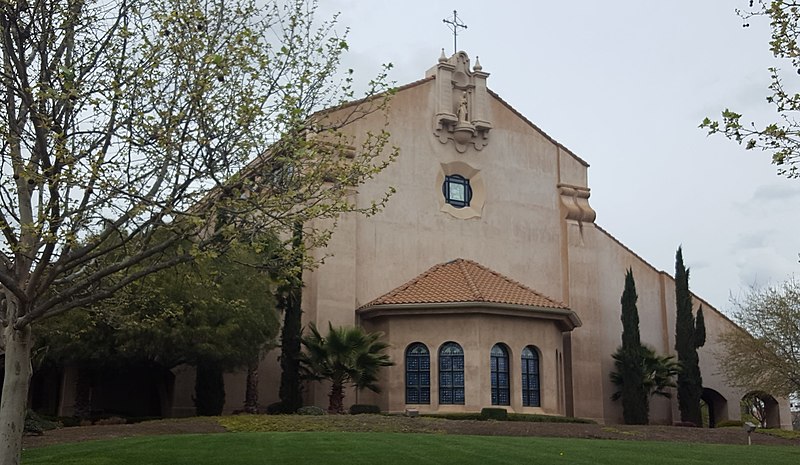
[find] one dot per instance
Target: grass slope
(393, 448)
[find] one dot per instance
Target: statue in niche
(463, 114)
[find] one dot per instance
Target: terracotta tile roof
(464, 281)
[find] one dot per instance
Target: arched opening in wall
(714, 406)
(761, 408)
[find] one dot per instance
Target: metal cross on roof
(454, 24)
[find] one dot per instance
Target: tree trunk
(14, 402)
(251, 388)
(83, 394)
(336, 398)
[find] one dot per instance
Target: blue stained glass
(417, 374)
(502, 379)
(459, 396)
(451, 373)
(446, 363)
(446, 396)
(494, 397)
(445, 379)
(494, 382)
(502, 364)
(530, 377)
(494, 363)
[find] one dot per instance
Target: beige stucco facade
(529, 220)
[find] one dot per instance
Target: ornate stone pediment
(462, 102)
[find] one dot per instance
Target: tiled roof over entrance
(461, 281)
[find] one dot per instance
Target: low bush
(34, 424)
(279, 408)
(357, 409)
(499, 414)
(310, 410)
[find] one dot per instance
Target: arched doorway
(717, 406)
(761, 408)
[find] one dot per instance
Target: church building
(487, 272)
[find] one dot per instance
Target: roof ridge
(468, 277)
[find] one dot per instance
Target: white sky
(624, 85)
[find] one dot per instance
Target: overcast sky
(624, 85)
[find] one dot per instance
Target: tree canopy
(780, 137)
(130, 127)
(764, 355)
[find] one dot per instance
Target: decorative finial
(477, 66)
(442, 58)
(454, 24)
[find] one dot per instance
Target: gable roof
(464, 281)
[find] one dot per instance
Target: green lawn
(396, 448)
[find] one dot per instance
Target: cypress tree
(290, 302)
(629, 359)
(690, 334)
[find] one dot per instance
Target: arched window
(500, 384)
(418, 374)
(451, 374)
(530, 378)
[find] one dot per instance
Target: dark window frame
(418, 374)
(451, 374)
(531, 381)
(457, 179)
(500, 375)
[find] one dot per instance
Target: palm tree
(347, 355)
(656, 373)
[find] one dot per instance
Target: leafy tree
(781, 137)
(753, 406)
(690, 334)
(628, 360)
(347, 355)
(128, 119)
(763, 353)
(214, 313)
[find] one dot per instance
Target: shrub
(34, 424)
(357, 409)
(310, 410)
(279, 408)
(499, 414)
(729, 423)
